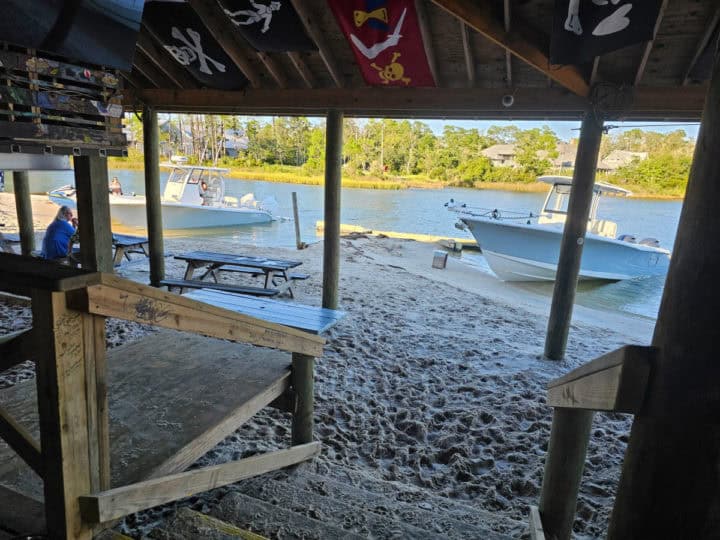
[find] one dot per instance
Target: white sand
(434, 378)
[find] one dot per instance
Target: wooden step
(187, 523)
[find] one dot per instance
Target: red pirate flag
(385, 37)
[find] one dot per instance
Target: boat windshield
(557, 200)
(178, 176)
(197, 176)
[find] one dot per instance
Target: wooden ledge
(19, 273)
(614, 382)
(536, 526)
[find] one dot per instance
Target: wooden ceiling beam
(508, 55)
(150, 46)
(274, 68)
(136, 79)
(467, 49)
(148, 70)
(478, 16)
(675, 103)
(317, 36)
(426, 33)
(302, 69)
(215, 20)
(649, 45)
(594, 72)
(704, 40)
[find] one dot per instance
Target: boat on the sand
(194, 197)
(526, 247)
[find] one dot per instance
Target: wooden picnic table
(8, 241)
(276, 272)
(125, 244)
(311, 319)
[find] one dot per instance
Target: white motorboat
(194, 197)
(526, 247)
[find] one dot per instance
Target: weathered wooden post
(569, 438)
(333, 175)
(670, 487)
(151, 146)
(93, 206)
(23, 207)
(304, 387)
(573, 238)
(296, 215)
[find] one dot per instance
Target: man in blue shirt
(56, 244)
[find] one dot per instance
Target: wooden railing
(615, 382)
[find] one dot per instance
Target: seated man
(57, 242)
(115, 186)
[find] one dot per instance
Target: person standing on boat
(57, 242)
(204, 194)
(115, 186)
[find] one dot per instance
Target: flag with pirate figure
(268, 25)
(191, 45)
(385, 37)
(584, 29)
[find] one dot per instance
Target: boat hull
(517, 252)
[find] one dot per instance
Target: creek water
(422, 211)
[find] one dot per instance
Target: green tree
(534, 150)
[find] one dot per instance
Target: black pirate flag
(584, 29)
(272, 26)
(192, 45)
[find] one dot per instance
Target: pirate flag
(385, 37)
(271, 26)
(584, 29)
(192, 46)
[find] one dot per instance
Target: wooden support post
(93, 206)
(569, 437)
(304, 387)
(62, 407)
(23, 206)
(573, 238)
(298, 242)
(669, 487)
(333, 179)
(151, 144)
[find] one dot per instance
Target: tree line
(405, 149)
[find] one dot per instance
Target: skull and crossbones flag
(584, 29)
(386, 40)
(268, 25)
(191, 45)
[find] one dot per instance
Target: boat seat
(195, 284)
(604, 227)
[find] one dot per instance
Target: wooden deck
(172, 397)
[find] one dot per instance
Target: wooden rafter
(648, 103)
(649, 46)
(707, 35)
(148, 70)
(594, 72)
(161, 60)
(478, 16)
(424, 23)
(302, 69)
(316, 34)
(213, 17)
(135, 78)
(274, 68)
(508, 55)
(469, 58)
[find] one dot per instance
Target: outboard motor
(630, 238)
(652, 242)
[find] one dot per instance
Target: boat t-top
(194, 197)
(526, 247)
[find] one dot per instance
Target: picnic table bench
(276, 272)
(195, 284)
(125, 244)
(8, 241)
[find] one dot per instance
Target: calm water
(422, 211)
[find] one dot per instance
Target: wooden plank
(57, 135)
(302, 68)
(119, 502)
(425, 32)
(20, 514)
(59, 70)
(467, 51)
(614, 382)
(479, 17)
(702, 44)
(508, 55)
(309, 318)
(59, 102)
(150, 71)
(20, 440)
(124, 299)
(63, 414)
(226, 287)
(536, 527)
(274, 68)
(20, 271)
(649, 46)
(16, 347)
(317, 35)
(214, 18)
(93, 204)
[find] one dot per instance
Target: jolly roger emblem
(583, 29)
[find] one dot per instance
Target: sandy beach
(433, 380)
